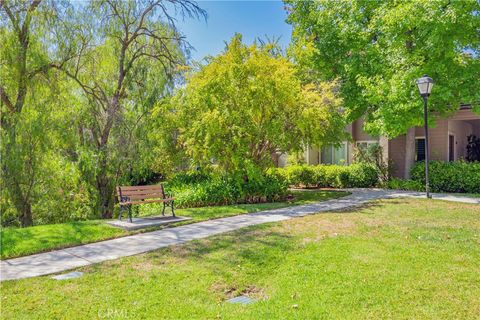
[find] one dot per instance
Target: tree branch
(6, 100)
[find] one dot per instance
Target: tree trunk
(409, 152)
(26, 214)
(23, 206)
(105, 195)
(19, 198)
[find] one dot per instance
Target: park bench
(130, 195)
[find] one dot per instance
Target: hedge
(457, 176)
(408, 185)
(335, 176)
(199, 189)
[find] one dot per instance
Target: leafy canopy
(248, 103)
(378, 48)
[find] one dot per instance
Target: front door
(451, 148)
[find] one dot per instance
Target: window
(364, 145)
(419, 149)
(451, 147)
(334, 155)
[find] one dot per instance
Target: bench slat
(141, 188)
(138, 192)
(144, 196)
(147, 201)
(132, 192)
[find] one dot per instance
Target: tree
(378, 48)
(247, 103)
(24, 89)
(126, 54)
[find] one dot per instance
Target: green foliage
(373, 155)
(198, 189)
(189, 178)
(377, 49)
(473, 148)
(401, 184)
(299, 175)
(335, 176)
(248, 103)
(457, 176)
(77, 94)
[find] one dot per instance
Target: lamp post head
(425, 84)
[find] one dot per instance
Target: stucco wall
(438, 143)
(358, 134)
(396, 155)
(460, 130)
(312, 155)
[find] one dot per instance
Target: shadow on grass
(367, 207)
(253, 245)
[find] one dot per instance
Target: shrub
(373, 154)
(300, 175)
(455, 176)
(190, 177)
(197, 190)
(361, 176)
(473, 148)
(353, 176)
(409, 185)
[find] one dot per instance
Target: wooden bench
(130, 195)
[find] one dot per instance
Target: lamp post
(425, 85)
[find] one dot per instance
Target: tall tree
(24, 66)
(127, 53)
(247, 103)
(378, 48)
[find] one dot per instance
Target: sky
(225, 18)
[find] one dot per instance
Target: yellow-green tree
(248, 103)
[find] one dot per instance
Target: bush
(455, 176)
(189, 177)
(198, 189)
(300, 175)
(409, 185)
(353, 176)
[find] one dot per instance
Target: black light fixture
(425, 85)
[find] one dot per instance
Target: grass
(24, 241)
(470, 195)
(397, 259)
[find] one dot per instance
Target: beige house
(447, 142)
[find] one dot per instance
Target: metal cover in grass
(241, 300)
(70, 275)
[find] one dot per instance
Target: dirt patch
(255, 293)
(226, 291)
(318, 227)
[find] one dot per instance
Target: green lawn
(23, 241)
(396, 259)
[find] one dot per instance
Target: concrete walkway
(70, 258)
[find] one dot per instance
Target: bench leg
(163, 210)
(173, 212)
(130, 213)
(122, 208)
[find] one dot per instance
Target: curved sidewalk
(70, 258)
